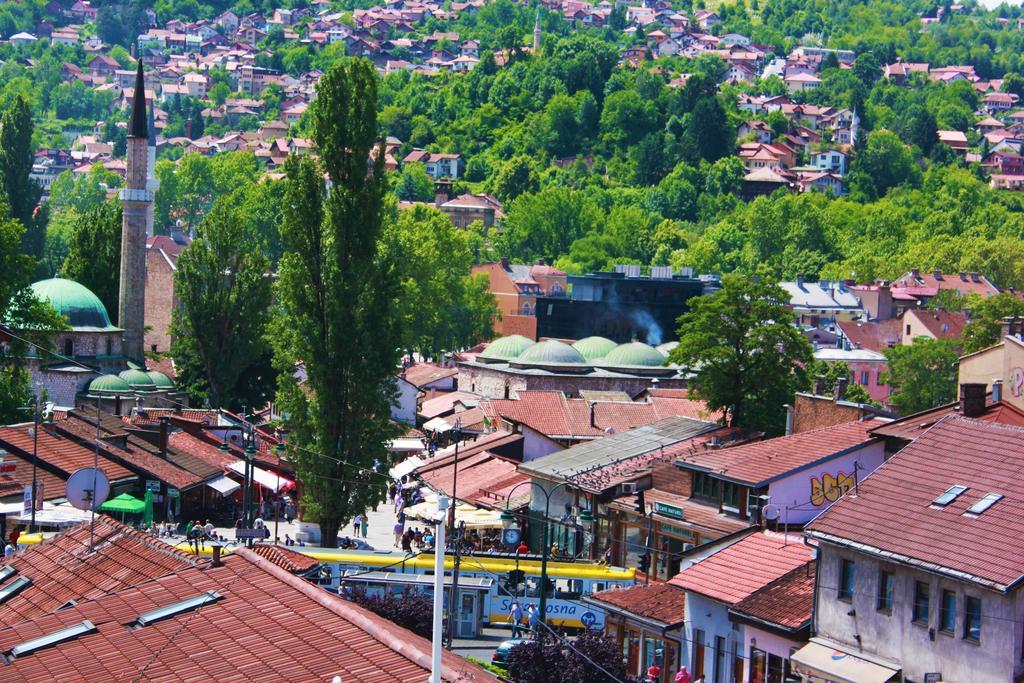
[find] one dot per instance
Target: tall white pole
(436, 638)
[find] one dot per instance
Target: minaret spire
(536, 33)
(136, 200)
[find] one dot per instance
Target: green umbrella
(147, 514)
(124, 503)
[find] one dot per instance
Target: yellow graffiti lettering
(830, 489)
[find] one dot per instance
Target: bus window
(598, 586)
(568, 589)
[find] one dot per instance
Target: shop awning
(405, 446)
(55, 515)
(223, 485)
(407, 466)
(823, 660)
(268, 480)
(437, 424)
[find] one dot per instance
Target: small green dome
(551, 352)
(81, 307)
(161, 380)
(109, 384)
(506, 348)
(594, 348)
(138, 380)
(634, 354)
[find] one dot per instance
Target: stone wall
(160, 301)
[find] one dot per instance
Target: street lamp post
(586, 516)
(455, 478)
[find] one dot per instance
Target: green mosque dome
(506, 348)
(76, 302)
(594, 348)
(634, 354)
(160, 380)
(551, 352)
(138, 379)
(109, 384)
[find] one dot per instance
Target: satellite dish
(770, 512)
(86, 488)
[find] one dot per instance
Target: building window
(885, 584)
(705, 487)
(110, 350)
(908, 329)
(732, 494)
(972, 619)
(758, 665)
(719, 659)
(865, 377)
(698, 653)
(69, 347)
(921, 603)
(947, 612)
(847, 574)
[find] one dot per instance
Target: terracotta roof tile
(268, 625)
(758, 462)
(983, 456)
(443, 404)
(484, 479)
(62, 454)
(661, 602)
(695, 513)
(421, 374)
(286, 558)
(873, 336)
(63, 569)
(736, 571)
(912, 426)
(785, 602)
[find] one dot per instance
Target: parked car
(500, 656)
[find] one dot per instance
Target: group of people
(516, 614)
(197, 533)
(414, 538)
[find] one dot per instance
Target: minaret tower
(136, 199)
(536, 34)
(152, 182)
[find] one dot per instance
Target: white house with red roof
(920, 573)
(717, 582)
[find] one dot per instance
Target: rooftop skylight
(14, 587)
(985, 503)
(30, 646)
(178, 608)
(949, 496)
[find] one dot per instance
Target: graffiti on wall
(829, 489)
(1016, 381)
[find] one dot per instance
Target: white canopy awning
(407, 466)
(223, 485)
(824, 660)
(268, 480)
(55, 515)
(12, 508)
(437, 424)
(405, 446)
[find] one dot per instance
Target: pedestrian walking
(515, 617)
(683, 676)
(533, 619)
(523, 548)
(653, 673)
(399, 530)
(8, 550)
(364, 526)
(209, 528)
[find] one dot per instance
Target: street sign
(173, 493)
(242, 534)
(153, 485)
(8, 467)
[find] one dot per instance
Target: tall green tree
(94, 254)
(32, 320)
(337, 297)
(987, 315)
(220, 344)
(746, 356)
(16, 156)
(922, 375)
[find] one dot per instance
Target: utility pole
(455, 477)
(35, 459)
(436, 633)
(453, 597)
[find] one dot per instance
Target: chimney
(504, 262)
(963, 277)
(972, 399)
(800, 282)
(997, 390)
(915, 273)
(937, 274)
(789, 419)
(819, 386)
(593, 417)
(840, 388)
(163, 436)
(216, 561)
(1010, 327)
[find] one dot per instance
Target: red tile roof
(484, 479)
(268, 625)
(912, 426)
(286, 558)
(426, 373)
(62, 454)
(965, 283)
(759, 462)
(786, 602)
(661, 602)
(942, 324)
(51, 484)
(10, 486)
(201, 450)
(873, 336)
(63, 569)
(736, 571)
(79, 427)
(444, 403)
(983, 456)
(695, 513)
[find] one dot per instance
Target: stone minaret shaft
(136, 199)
